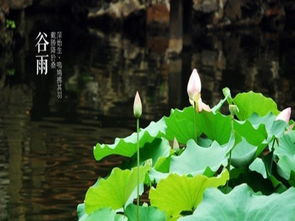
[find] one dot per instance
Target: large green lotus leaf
(195, 159)
(285, 150)
(204, 142)
(163, 164)
(156, 175)
(243, 204)
(156, 150)
(105, 214)
(115, 191)
(145, 213)
(180, 125)
(286, 165)
(267, 119)
(255, 136)
(251, 102)
(258, 166)
(243, 153)
(277, 129)
(127, 146)
(182, 193)
(274, 128)
(292, 178)
(216, 126)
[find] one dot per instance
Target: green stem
(228, 169)
(195, 125)
(137, 130)
(272, 157)
(229, 159)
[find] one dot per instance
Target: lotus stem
(138, 159)
(229, 158)
(272, 157)
(195, 125)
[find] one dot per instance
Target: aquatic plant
(10, 24)
(137, 110)
(234, 161)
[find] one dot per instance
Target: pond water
(46, 162)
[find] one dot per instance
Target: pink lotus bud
(206, 107)
(194, 87)
(137, 106)
(175, 144)
(200, 106)
(284, 115)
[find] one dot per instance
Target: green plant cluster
(10, 24)
(227, 166)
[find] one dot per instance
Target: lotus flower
(194, 92)
(284, 115)
(137, 106)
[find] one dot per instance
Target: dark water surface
(46, 162)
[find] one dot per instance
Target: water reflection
(45, 163)
(46, 144)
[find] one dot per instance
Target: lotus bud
(202, 106)
(194, 87)
(227, 94)
(233, 109)
(175, 144)
(137, 106)
(148, 162)
(206, 107)
(284, 115)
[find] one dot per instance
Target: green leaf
(181, 193)
(285, 150)
(258, 166)
(216, 126)
(243, 153)
(155, 151)
(274, 128)
(105, 214)
(195, 159)
(115, 191)
(128, 146)
(243, 204)
(81, 212)
(292, 178)
(160, 148)
(251, 102)
(163, 164)
(204, 142)
(156, 175)
(254, 136)
(180, 124)
(145, 213)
